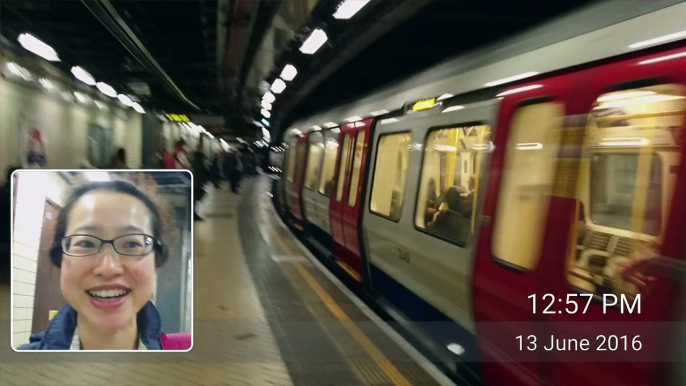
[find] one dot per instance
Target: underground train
(522, 207)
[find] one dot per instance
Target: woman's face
(124, 283)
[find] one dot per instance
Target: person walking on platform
(201, 176)
(235, 172)
(215, 170)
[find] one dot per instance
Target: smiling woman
(109, 239)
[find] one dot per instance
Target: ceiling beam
(105, 12)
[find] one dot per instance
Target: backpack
(180, 341)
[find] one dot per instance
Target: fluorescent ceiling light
(638, 141)
(453, 108)
(138, 108)
(83, 98)
(511, 79)
(520, 89)
(349, 8)
(529, 146)
(659, 40)
(336, 130)
(125, 100)
(380, 112)
(289, 72)
(389, 120)
(266, 113)
(659, 98)
(296, 131)
(640, 99)
(97, 176)
(278, 86)
(353, 119)
(67, 96)
(445, 96)
(316, 128)
(33, 44)
(101, 105)
(316, 39)
(265, 122)
(210, 135)
(46, 83)
(455, 348)
(83, 75)
(445, 148)
(624, 95)
(483, 146)
(269, 97)
(663, 58)
(106, 89)
(329, 125)
(266, 133)
(266, 105)
(19, 71)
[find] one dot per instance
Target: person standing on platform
(201, 176)
(235, 173)
(119, 159)
(177, 158)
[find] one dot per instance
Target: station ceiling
(216, 56)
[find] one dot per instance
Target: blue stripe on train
(433, 322)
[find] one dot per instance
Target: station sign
(177, 118)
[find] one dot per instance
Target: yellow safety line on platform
(349, 270)
(379, 358)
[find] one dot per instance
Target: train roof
(597, 32)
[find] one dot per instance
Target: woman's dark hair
(453, 199)
(161, 227)
(121, 154)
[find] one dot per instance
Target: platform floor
(265, 313)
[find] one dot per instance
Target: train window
(314, 159)
(626, 177)
(390, 174)
(357, 163)
(343, 167)
(448, 188)
(527, 181)
(291, 165)
(330, 153)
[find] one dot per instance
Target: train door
(345, 203)
(623, 220)
(336, 199)
(289, 174)
(507, 268)
(296, 185)
(353, 201)
(315, 156)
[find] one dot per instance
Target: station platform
(266, 312)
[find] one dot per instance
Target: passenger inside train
(627, 171)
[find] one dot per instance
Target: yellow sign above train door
(424, 104)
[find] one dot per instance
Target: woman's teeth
(109, 293)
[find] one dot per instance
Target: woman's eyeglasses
(126, 245)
